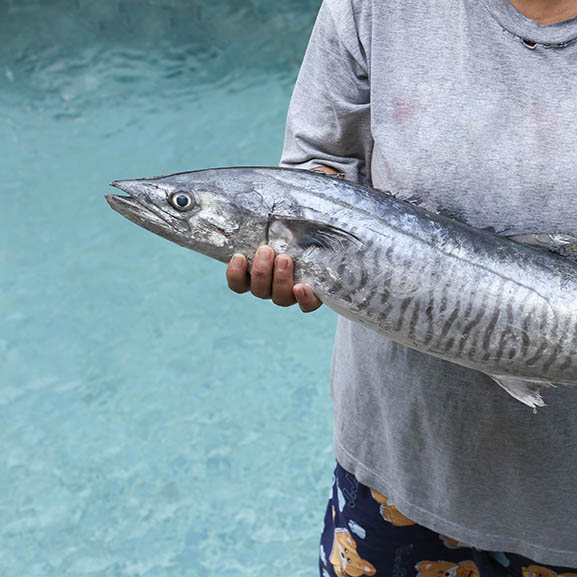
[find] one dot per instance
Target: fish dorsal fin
(310, 233)
(528, 392)
(408, 197)
(562, 244)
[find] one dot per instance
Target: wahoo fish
(427, 281)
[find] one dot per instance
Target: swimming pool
(152, 422)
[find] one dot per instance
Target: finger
(261, 273)
(282, 281)
(236, 274)
(306, 298)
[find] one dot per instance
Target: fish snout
(133, 188)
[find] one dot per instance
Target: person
(470, 106)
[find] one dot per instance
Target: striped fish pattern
(437, 285)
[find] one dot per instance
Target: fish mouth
(138, 210)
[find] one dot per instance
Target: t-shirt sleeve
(328, 120)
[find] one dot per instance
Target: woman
(469, 105)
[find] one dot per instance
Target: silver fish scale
(492, 305)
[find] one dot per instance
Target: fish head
(213, 212)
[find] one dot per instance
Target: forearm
(327, 169)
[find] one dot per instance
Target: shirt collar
(554, 35)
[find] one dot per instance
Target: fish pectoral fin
(562, 244)
(313, 234)
(528, 392)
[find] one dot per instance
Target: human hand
(271, 277)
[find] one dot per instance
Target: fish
(469, 296)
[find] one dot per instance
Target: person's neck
(547, 11)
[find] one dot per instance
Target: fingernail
(282, 263)
(237, 262)
(265, 253)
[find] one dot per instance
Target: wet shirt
(471, 107)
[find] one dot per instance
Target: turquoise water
(152, 423)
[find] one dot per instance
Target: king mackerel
(465, 295)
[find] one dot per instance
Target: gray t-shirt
(472, 107)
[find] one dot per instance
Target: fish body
(429, 282)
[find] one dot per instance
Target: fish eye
(181, 200)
